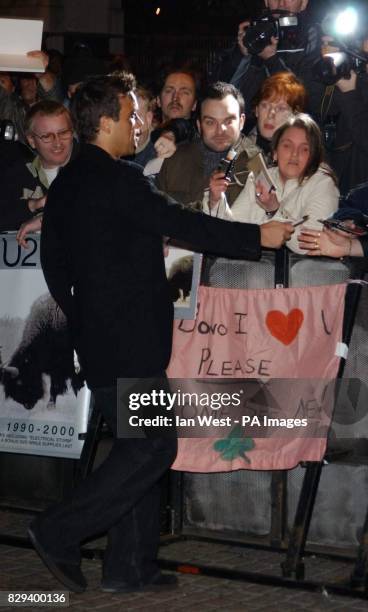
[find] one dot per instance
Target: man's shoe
(161, 582)
(68, 574)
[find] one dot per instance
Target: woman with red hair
(280, 96)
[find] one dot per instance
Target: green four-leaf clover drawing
(234, 445)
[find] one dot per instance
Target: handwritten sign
(267, 334)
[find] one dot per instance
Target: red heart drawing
(284, 327)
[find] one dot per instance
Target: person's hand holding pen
(266, 198)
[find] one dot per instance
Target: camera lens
(259, 35)
(332, 67)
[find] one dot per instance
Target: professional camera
(335, 66)
(343, 27)
(260, 31)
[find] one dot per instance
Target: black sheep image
(45, 348)
(180, 278)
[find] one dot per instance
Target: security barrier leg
(359, 576)
(89, 450)
(293, 566)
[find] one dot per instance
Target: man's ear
(158, 101)
(105, 124)
(149, 118)
(242, 120)
(194, 106)
(31, 141)
(304, 5)
(199, 126)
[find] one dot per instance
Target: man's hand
(35, 203)
(241, 31)
(33, 225)
(275, 233)
(218, 185)
(346, 85)
(43, 57)
(270, 50)
(46, 79)
(165, 145)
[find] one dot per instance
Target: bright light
(346, 22)
(158, 10)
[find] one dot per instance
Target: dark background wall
(183, 29)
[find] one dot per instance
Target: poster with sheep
(43, 403)
(183, 270)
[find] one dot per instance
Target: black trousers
(121, 497)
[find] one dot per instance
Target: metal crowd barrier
(317, 506)
(310, 508)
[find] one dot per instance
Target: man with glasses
(49, 132)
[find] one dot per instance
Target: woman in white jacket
(304, 184)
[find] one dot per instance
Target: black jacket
(349, 153)
(102, 236)
(20, 179)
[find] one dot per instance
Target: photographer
(348, 151)
(297, 53)
(349, 155)
(342, 68)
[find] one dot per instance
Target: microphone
(227, 164)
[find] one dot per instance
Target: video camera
(343, 28)
(258, 35)
(335, 66)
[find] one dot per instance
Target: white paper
(17, 37)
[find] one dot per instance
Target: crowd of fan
(269, 102)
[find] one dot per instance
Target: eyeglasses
(52, 136)
(278, 109)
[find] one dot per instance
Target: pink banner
(260, 334)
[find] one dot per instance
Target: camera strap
(326, 100)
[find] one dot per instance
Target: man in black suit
(103, 261)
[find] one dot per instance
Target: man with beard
(178, 96)
(177, 101)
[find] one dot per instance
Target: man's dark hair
(219, 91)
(182, 69)
(99, 97)
(48, 108)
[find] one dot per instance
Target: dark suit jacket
(102, 236)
